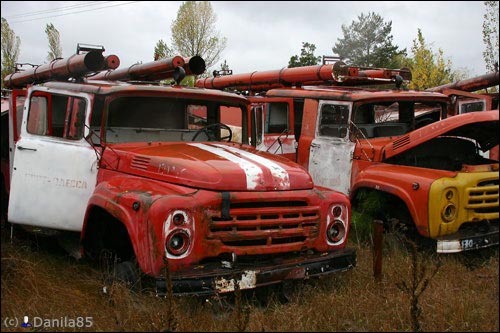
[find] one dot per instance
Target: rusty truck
(432, 175)
(120, 163)
(472, 95)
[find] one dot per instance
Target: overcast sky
(261, 35)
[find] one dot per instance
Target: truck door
(54, 168)
(278, 129)
(331, 151)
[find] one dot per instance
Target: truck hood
(212, 166)
(480, 126)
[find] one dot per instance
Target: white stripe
(276, 170)
(252, 171)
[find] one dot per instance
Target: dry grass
(41, 281)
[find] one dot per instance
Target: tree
(428, 69)
(162, 50)
(307, 57)
(490, 35)
(10, 49)
(368, 42)
(193, 32)
(55, 49)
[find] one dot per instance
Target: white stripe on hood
(252, 171)
(276, 170)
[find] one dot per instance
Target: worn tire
(128, 272)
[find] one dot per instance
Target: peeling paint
(330, 164)
(248, 281)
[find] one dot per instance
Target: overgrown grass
(38, 280)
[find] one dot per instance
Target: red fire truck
(433, 175)
(119, 162)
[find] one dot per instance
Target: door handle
(25, 148)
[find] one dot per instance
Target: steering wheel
(209, 132)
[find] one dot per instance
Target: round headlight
(178, 218)
(449, 195)
(177, 242)
(336, 211)
(336, 231)
(449, 212)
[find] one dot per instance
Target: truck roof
(354, 94)
(117, 87)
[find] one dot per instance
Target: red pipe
(336, 74)
(141, 71)
(192, 66)
(473, 84)
(59, 69)
(283, 77)
(111, 62)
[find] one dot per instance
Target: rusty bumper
(466, 240)
(220, 277)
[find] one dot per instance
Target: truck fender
(101, 200)
(392, 189)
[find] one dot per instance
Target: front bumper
(215, 279)
(468, 239)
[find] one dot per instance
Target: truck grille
(483, 198)
(266, 223)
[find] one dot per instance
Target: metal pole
(378, 229)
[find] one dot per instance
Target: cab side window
(333, 120)
(75, 119)
(37, 116)
(277, 118)
(57, 116)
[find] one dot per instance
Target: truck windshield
(167, 119)
(394, 118)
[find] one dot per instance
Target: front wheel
(128, 272)
(114, 271)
